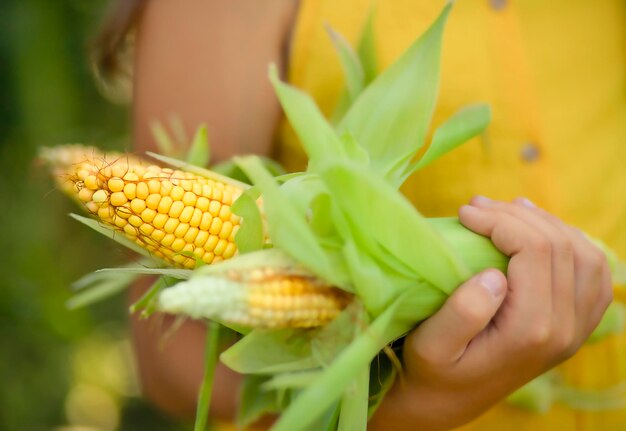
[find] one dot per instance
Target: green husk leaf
(174, 273)
(200, 152)
(287, 225)
(397, 107)
(164, 142)
(350, 63)
(366, 48)
(462, 126)
(382, 377)
(114, 235)
(410, 239)
(478, 252)
(211, 354)
(93, 278)
(354, 403)
(271, 351)
(612, 323)
(257, 401)
(101, 289)
(319, 139)
(250, 235)
(146, 304)
(271, 257)
(537, 396)
(300, 379)
(230, 169)
(197, 170)
(320, 396)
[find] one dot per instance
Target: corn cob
(261, 298)
(178, 216)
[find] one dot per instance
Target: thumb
(444, 337)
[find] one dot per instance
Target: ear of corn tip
(167, 211)
(259, 299)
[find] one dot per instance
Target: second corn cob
(261, 298)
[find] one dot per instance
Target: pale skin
(206, 61)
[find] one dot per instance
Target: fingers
(579, 286)
(443, 338)
(529, 302)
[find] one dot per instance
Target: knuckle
(468, 310)
(565, 344)
(426, 353)
(597, 260)
(539, 244)
(537, 336)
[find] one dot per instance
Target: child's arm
(205, 61)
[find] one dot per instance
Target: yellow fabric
(554, 74)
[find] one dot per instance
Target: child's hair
(111, 49)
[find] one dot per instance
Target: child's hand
(494, 333)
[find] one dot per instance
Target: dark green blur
(57, 367)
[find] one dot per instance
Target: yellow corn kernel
(130, 177)
(146, 229)
(216, 226)
(196, 218)
(85, 194)
(178, 244)
(191, 235)
(115, 184)
(124, 211)
(189, 199)
(170, 225)
(164, 205)
(206, 221)
(168, 240)
(231, 249)
(91, 182)
(119, 169)
(148, 215)
(185, 215)
(227, 228)
(160, 220)
(177, 193)
(130, 191)
(141, 190)
(152, 201)
(220, 247)
(135, 220)
(211, 243)
(130, 230)
(208, 257)
(100, 196)
(214, 208)
(166, 187)
(181, 230)
(176, 208)
(202, 203)
(154, 186)
(157, 235)
(118, 199)
(201, 238)
(138, 205)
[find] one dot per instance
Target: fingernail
(526, 202)
(492, 281)
(481, 200)
(467, 209)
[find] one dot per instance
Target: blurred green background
(61, 370)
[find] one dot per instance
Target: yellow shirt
(554, 73)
